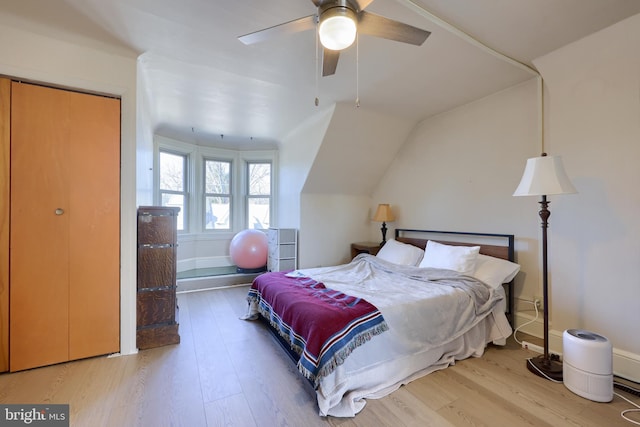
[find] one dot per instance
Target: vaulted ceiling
(203, 83)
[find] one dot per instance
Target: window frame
(195, 164)
(230, 195)
(247, 190)
(186, 155)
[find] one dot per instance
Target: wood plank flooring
(229, 372)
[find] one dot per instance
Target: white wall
(356, 150)
(593, 88)
(33, 57)
(144, 136)
(458, 170)
(337, 179)
(328, 224)
(297, 153)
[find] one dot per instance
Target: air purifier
(588, 365)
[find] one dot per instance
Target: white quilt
(435, 317)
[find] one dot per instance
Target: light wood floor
(229, 372)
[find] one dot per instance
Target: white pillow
(400, 253)
(459, 258)
(495, 271)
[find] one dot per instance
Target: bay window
(219, 191)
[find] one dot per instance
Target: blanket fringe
(336, 360)
(277, 326)
(340, 356)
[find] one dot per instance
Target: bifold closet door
(5, 144)
(94, 239)
(64, 238)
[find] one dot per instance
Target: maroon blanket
(321, 324)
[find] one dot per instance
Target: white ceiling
(204, 83)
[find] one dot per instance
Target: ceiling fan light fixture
(337, 29)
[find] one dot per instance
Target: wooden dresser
(157, 310)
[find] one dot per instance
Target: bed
(361, 330)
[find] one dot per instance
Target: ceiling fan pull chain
(317, 101)
(357, 71)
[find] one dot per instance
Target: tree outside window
(173, 183)
(218, 190)
(258, 195)
(217, 194)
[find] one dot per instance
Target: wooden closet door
(39, 241)
(65, 226)
(5, 144)
(94, 215)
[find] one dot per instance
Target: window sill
(209, 236)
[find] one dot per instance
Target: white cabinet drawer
(283, 249)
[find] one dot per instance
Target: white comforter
(434, 316)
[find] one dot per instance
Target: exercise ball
(248, 249)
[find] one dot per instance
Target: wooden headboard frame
(504, 249)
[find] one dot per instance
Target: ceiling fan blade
(291, 27)
(362, 4)
(329, 62)
(379, 26)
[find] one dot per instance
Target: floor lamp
(545, 176)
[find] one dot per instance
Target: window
(217, 194)
(173, 183)
(258, 194)
(219, 191)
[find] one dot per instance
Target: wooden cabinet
(283, 249)
(64, 270)
(157, 316)
(364, 247)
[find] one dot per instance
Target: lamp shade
(337, 28)
(544, 175)
(383, 213)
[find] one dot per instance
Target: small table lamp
(383, 214)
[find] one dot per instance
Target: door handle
(59, 211)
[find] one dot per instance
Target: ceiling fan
(338, 21)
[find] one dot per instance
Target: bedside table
(364, 247)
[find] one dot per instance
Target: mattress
(434, 318)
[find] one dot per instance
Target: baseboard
(212, 282)
(203, 262)
(625, 364)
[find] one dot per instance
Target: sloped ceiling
(204, 83)
(356, 151)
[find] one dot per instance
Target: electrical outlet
(538, 302)
(533, 347)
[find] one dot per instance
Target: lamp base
(545, 368)
(384, 233)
